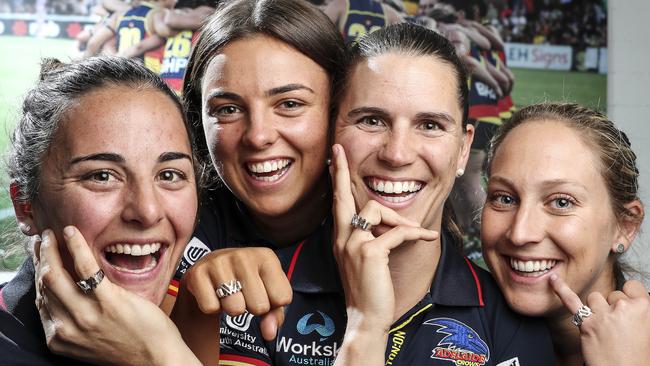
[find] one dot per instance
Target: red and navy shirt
(175, 59)
(463, 320)
(132, 29)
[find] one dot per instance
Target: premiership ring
(228, 288)
(583, 312)
(359, 222)
(91, 282)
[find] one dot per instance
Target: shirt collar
(455, 282)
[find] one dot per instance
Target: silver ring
(228, 288)
(91, 282)
(583, 312)
(360, 223)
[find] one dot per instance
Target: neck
(412, 276)
(299, 221)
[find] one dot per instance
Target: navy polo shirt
(463, 320)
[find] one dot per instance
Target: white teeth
(133, 249)
(268, 166)
(532, 267)
(152, 264)
(399, 187)
(388, 187)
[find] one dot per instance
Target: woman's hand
(362, 259)
(618, 331)
(265, 287)
(108, 325)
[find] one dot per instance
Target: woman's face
(121, 172)
(265, 117)
(548, 211)
(400, 125)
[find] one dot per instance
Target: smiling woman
(103, 169)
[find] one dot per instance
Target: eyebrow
(545, 184)
(173, 155)
(368, 110)
(436, 116)
(287, 88)
(100, 156)
(225, 95)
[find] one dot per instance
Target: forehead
(548, 149)
(123, 118)
(401, 81)
(261, 61)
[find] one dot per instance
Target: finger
(343, 201)
(569, 298)
(597, 303)
(376, 213)
(35, 243)
(84, 261)
(201, 286)
(234, 304)
(634, 288)
(615, 296)
(402, 234)
(256, 299)
(276, 283)
(55, 281)
(271, 322)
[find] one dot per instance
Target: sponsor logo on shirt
(240, 322)
(460, 344)
(510, 362)
(314, 352)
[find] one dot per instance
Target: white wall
(628, 99)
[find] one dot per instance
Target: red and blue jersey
(175, 58)
(483, 100)
(132, 28)
(362, 17)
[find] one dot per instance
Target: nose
(261, 131)
(143, 206)
(528, 226)
(398, 148)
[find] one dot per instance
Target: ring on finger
(228, 288)
(91, 282)
(359, 222)
(583, 312)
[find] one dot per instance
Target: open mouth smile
(269, 170)
(133, 258)
(531, 268)
(394, 191)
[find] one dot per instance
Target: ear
(467, 137)
(23, 210)
(629, 226)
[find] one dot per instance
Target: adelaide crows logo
(460, 345)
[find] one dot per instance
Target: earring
(620, 248)
(460, 172)
(328, 161)
(25, 228)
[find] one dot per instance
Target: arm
(334, 11)
(103, 34)
(475, 37)
(392, 15)
(180, 19)
(479, 71)
(160, 31)
(362, 259)
(495, 40)
(499, 76)
(115, 5)
(145, 45)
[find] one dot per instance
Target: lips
(394, 191)
(133, 258)
(268, 170)
(532, 268)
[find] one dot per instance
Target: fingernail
(335, 150)
(68, 232)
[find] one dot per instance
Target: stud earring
(25, 228)
(328, 161)
(460, 172)
(620, 248)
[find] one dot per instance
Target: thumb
(271, 322)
